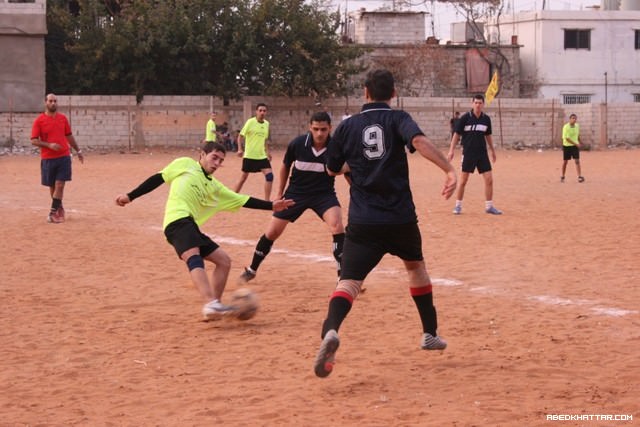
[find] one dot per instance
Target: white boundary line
(543, 299)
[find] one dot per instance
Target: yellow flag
(492, 90)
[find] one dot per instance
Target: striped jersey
(473, 130)
(307, 166)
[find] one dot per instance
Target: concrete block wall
(118, 123)
(389, 27)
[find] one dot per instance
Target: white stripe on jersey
(477, 128)
(309, 166)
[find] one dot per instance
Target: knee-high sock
(338, 244)
(339, 306)
(262, 250)
(423, 298)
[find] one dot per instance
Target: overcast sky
(442, 15)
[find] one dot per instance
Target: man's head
(477, 103)
(214, 114)
(379, 85)
(51, 103)
(212, 156)
(320, 127)
(261, 111)
(572, 119)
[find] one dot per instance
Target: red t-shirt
(52, 129)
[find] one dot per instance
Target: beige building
(23, 25)
(422, 66)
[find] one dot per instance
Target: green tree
(222, 47)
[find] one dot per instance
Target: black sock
(338, 244)
(55, 204)
(339, 307)
(427, 312)
(262, 250)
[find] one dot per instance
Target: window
(637, 39)
(576, 99)
(577, 39)
(636, 97)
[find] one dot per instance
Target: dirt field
(540, 306)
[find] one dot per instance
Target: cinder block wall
(118, 123)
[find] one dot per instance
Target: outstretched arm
(431, 153)
(266, 205)
(150, 184)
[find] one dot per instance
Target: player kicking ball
(194, 196)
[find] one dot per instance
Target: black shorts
(570, 152)
(365, 245)
(253, 165)
(319, 203)
(52, 170)
(471, 161)
(184, 234)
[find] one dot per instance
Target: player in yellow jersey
(571, 146)
(195, 195)
(253, 147)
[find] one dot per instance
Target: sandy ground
(100, 324)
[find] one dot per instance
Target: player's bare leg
(268, 183)
(464, 178)
(488, 185)
(241, 181)
(333, 218)
(220, 273)
(211, 292)
(488, 194)
(579, 171)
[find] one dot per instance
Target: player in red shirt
(51, 132)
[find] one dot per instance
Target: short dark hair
(261, 104)
(573, 115)
(320, 116)
(380, 84)
(213, 146)
(479, 96)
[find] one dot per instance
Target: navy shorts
(365, 245)
(319, 203)
(184, 234)
(52, 170)
(570, 152)
(253, 165)
(471, 161)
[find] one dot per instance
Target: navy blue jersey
(473, 129)
(308, 175)
(373, 143)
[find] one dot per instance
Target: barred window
(577, 39)
(576, 99)
(636, 97)
(637, 43)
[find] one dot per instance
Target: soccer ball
(245, 303)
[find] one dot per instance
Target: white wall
(562, 71)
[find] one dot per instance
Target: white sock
(458, 203)
(488, 204)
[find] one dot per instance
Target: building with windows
(580, 56)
